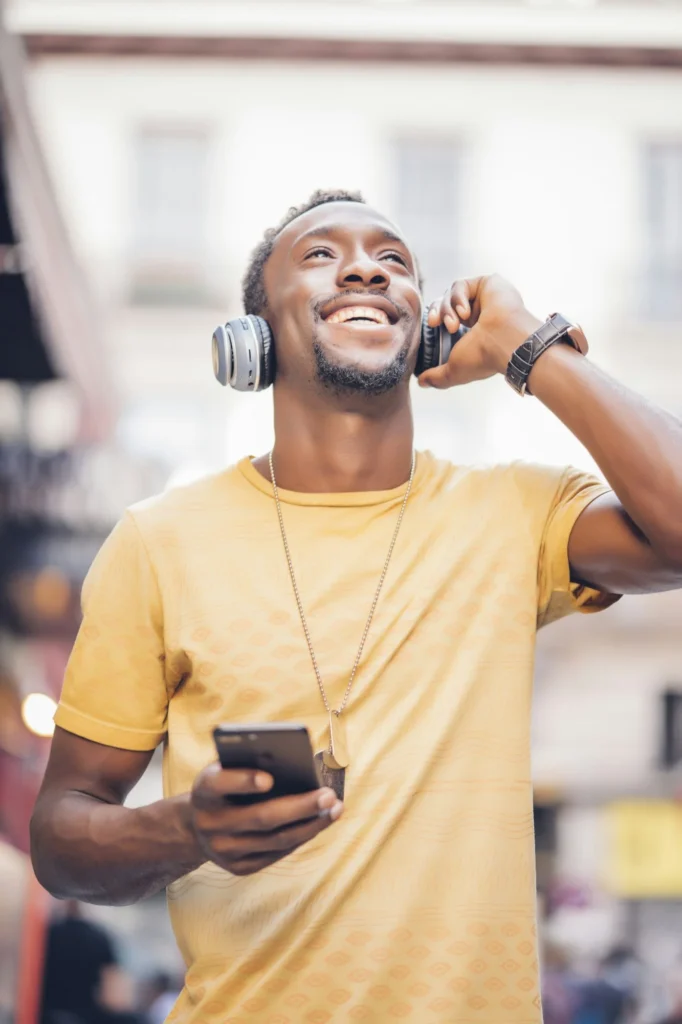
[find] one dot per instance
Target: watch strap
(555, 329)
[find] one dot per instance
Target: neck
(341, 446)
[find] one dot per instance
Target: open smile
(367, 311)
(359, 316)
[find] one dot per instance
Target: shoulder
(520, 496)
(530, 481)
(183, 505)
(182, 517)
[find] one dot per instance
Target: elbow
(42, 858)
(66, 879)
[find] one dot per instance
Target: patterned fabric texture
(419, 904)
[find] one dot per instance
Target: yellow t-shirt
(419, 904)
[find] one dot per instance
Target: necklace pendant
(335, 778)
(333, 761)
(337, 755)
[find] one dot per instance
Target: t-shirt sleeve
(115, 688)
(558, 594)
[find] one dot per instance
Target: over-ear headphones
(244, 351)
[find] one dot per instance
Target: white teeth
(377, 316)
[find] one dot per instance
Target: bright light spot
(53, 416)
(37, 712)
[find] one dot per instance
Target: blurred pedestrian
(558, 998)
(622, 969)
(673, 985)
(13, 873)
(159, 996)
(599, 1000)
(81, 979)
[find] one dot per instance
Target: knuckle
(287, 841)
(224, 845)
(206, 779)
(280, 842)
(200, 822)
(199, 795)
(260, 818)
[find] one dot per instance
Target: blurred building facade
(541, 140)
(58, 410)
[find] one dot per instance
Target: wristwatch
(555, 329)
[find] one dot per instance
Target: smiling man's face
(344, 300)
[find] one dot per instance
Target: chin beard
(348, 379)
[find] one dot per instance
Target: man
(229, 600)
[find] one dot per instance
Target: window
(170, 215)
(426, 180)
(663, 230)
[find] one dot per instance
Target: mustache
(317, 305)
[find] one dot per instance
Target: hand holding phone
(245, 818)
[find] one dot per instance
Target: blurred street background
(144, 147)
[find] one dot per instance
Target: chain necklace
(334, 760)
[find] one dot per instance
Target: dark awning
(46, 309)
(24, 356)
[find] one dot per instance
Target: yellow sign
(645, 848)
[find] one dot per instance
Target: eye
(320, 250)
(394, 256)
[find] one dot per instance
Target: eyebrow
(331, 229)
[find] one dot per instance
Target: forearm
(637, 446)
(86, 849)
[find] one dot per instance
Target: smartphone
(280, 748)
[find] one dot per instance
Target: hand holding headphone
(244, 351)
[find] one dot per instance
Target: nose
(362, 270)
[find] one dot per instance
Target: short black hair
(253, 288)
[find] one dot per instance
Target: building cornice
(352, 50)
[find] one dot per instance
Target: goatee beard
(348, 379)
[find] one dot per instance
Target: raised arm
(626, 542)
(86, 845)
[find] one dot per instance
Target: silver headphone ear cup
(268, 361)
(220, 353)
(243, 354)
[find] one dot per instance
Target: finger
(440, 377)
(434, 316)
(283, 841)
(460, 299)
(215, 783)
(271, 815)
(462, 367)
(268, 815)
(448, 315)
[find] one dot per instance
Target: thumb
(441, 377)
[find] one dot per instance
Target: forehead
(340, 218)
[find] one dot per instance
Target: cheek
(291, 327)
